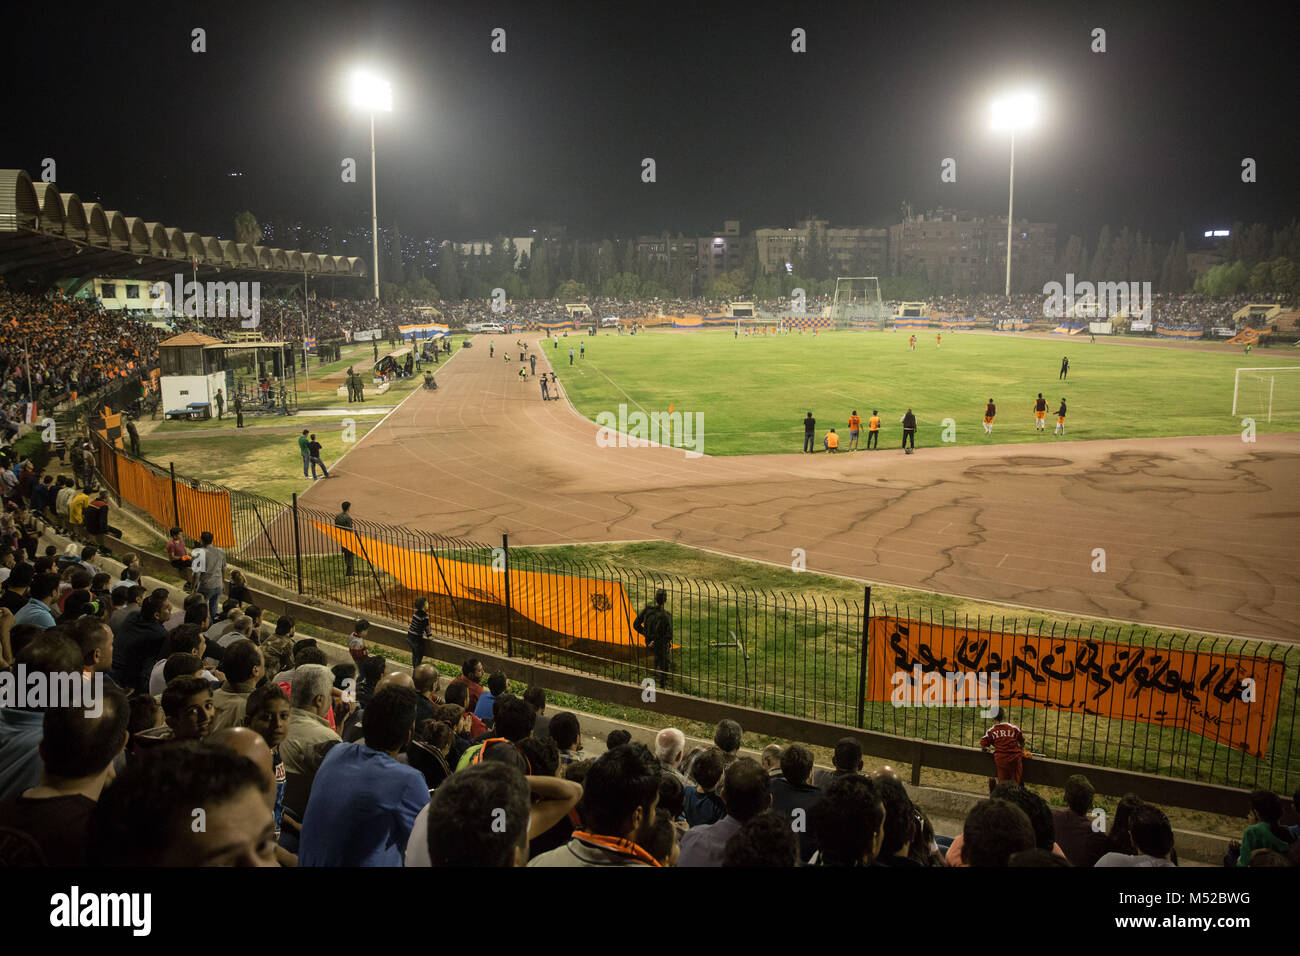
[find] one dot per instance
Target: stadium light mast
(370, 93)
(1015, 111)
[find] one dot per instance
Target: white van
(608, 322)
(491, 327)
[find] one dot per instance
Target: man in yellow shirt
(832, 441)
(77, 514)
(855, 424)
(873, 430)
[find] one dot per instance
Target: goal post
(1267, 391)
(857, 303)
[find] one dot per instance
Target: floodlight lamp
(368, 92)
(1017, 111)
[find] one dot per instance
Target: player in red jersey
(1008, 745)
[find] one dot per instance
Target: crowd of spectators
(68, 345)
(298, 763)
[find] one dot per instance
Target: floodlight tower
(370, 93)
(1013, 112)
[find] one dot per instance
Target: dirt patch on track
(1198, 533)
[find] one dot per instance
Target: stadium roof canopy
(47, 236)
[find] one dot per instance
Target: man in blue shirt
(363, 802)
(496, 687)
(45, 588)
(746, 790)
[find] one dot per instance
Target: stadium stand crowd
(366, 764)
(70, 345)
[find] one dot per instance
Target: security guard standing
(655, 624)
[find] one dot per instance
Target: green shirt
(303, 446)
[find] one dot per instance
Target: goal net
(857, 303)
(1267, 392)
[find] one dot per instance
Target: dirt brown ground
(1199, 533)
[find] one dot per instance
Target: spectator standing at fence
(418, 631)
(239, 412)
(1008, 745)
(344, 520)
(209, 567)
(655, 625)
(304, 448)
(221, 404)
(134, 436)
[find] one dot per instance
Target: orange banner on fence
(584, 608)
(1231, 699)
(199, 510)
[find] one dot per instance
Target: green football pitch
(754, 392)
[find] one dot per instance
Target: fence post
(505, 548)
(176, 508)
(862, 655)
(297, 542)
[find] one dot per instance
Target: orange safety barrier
(1204, 693)
(199, 510)
(584, 608)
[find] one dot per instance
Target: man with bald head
(247, 742)
(670, 748)
(425, 679)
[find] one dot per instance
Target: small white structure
(191, 372)
(194, 367)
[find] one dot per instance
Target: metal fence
(794, 654)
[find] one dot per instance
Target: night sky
(1150, 134)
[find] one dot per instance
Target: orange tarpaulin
(1199, 692)
(199, 510)
(585, 608)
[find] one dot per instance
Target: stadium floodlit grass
(754, 391)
